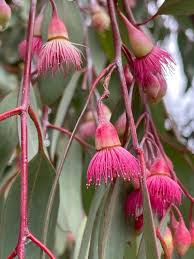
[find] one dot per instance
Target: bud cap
(5, 15)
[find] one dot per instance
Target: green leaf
(62, 110)
(90, 221)
(114, 232)
(70, 188)
(41, 175)
(8, 130)
(149, 228)
(97, 54)
(79, 238)
(141, 251)
(93, 250)
(177, 7)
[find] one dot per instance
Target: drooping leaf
(79, 238)
(114, 232)
(90, 221)
(62, 109)
(8, 130)
(41, 175)
(70, 191)
(141, 254)
(97, 53)
(177, 7)
(149, 228)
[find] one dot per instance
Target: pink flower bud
(181, 238)
(140, 43)
(5, 15)
(128, 75)
(155, 87)
(100, 20)
(120, 124)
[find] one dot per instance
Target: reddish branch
(10, 113)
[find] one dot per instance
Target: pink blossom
(157, 62)
(163, 192)
(58, 53)
(111, 160)
(110, 163)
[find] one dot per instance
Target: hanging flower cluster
(150, 63)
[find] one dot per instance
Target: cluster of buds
(58, 53)
(149, 62)
(5, 15)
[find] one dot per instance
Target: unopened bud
(128, 75)
(5, 15)
(155, 87)
(181, 238)
(140, 44)
(100, 20)
(120, 124)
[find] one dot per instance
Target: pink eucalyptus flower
(58, 52)
(37, 38)
(163, 190)
(111, 160)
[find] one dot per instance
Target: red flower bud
(181, 238)
(155, 87)
(128, 75)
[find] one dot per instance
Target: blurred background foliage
(100, 211)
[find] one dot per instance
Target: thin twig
(68, 133)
